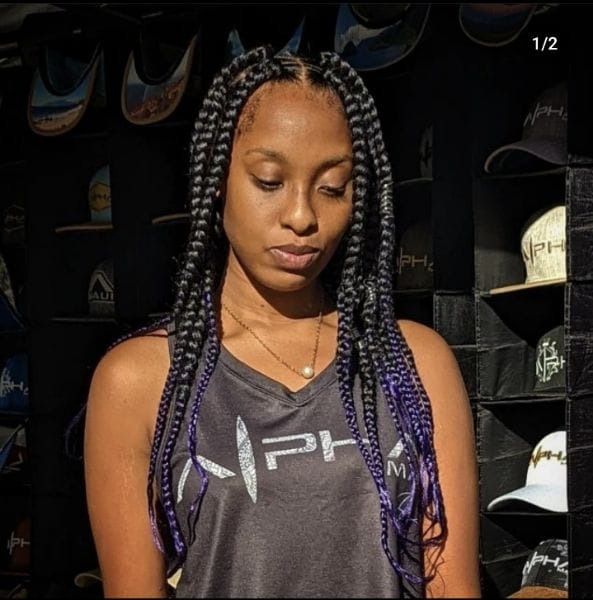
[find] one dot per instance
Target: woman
(333, 455)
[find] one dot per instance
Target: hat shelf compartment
(507, 541)
(149, 175)
(520, 233)
(152, 266)
(522, 454)
(454, 319)
(521, 345)
(416, 305)
(82, 279)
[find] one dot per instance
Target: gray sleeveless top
(291, 509)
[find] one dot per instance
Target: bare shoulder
(129, 379)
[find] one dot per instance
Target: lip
(294, 260)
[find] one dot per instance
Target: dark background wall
(474, 97)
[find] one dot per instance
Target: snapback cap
(156, 77)
(99, 202)
(545, 484)
(543, 142)
(545, 573)
(374, 36)
(543, 249)
(414, 263)
(63, 84)
(101, 291)
(550, 361)
(494, 24)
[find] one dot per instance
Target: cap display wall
(474, 123)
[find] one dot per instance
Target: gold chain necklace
(308, 371)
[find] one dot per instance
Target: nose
(298, 213)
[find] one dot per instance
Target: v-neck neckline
(274, 388)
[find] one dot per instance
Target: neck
(246, 296)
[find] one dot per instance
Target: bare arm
(456, 564)
(123, 400)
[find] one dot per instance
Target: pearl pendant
(307, 372)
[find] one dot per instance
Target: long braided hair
(359, 279)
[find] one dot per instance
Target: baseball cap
(494, 24)
(543, 249)
(101, 291)
(545, 484)
(545, 572)
(374, 36)
(68, 76)
(544, 136)
(415, 258)
(99, 201)
(550, 361)
(157, 74)
(14, 385)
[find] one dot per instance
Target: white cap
(545, 485)
(543, 248)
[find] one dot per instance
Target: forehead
(288, 108)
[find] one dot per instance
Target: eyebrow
(330, 162)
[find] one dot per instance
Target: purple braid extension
(211, 359)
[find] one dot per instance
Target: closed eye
(266, 185)
(334, 192)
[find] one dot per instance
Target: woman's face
(288, 194)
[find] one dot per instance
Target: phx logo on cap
(543, 249)
(545, 485)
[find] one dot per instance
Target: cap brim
(538, 591)
(525, 286)
(171, 218)
(493, 30)
(548, 497)
(527, 154)
(88, 578)
(88, 226)
(370, 49)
